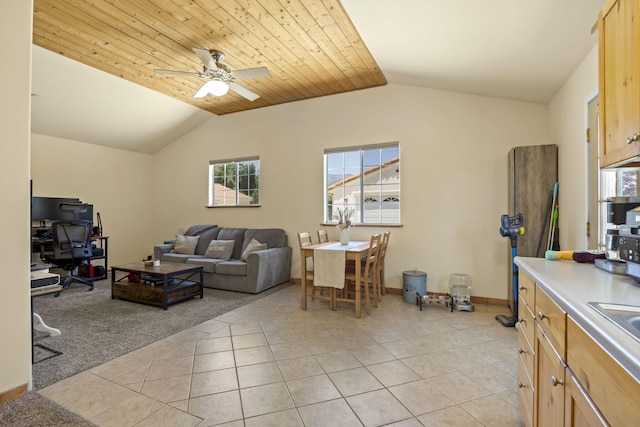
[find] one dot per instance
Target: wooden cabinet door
(579, 410)
(612, 389)
(619, 81)
(549, 383)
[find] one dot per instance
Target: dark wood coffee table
(161, 286)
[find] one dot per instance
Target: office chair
(71, 248)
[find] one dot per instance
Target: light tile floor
(271, 364)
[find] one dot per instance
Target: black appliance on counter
(629, 243)
(617, 231)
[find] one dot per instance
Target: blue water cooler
(413, 282)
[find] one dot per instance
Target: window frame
(380, 195)
(236, 162)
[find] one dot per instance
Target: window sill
(333, 224)
(231, 206)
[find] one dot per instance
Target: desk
(354, 251)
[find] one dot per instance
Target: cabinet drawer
(526, 290)
(525, 394)
(525, 352)
(526, 320)
(552, 320)
(610, 387)
(549, 383)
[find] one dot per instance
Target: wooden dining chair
(368, 274)
(323, 237)
(304, 240)
(382, 290)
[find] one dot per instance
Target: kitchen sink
(626, 317)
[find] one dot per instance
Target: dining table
(354, 251)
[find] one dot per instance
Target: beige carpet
(34, 410)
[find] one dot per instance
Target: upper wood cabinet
(619, 81)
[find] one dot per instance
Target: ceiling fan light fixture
(214, 87)
(217, 87)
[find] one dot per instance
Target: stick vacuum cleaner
(512, 227)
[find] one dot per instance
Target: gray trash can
(413, 282)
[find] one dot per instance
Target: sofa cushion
(185, 244)
(253, 246)
(208, 264)
(236, 234)
(206, 233)
(196, 230)
(181, 258)
(232, 268)
(273, 237)
(220, 249)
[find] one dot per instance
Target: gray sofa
(262, 269)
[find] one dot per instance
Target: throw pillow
(220, 249)
(253, 246)
(185, 244)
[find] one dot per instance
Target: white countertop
(572, 285)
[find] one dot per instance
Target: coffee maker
(617, 208)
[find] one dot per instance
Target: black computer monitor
(47, 209)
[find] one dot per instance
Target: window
(234, 182)
(366, 179)
(620, 182)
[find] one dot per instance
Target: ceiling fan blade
(251, 73)
(202, 92)
(206, 58)
(180, 73)
(244, 92)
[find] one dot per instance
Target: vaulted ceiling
(93, 60)
(310, 48)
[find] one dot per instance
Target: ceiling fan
(221, 78)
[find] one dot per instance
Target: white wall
(117, 182)
(568, 121)
(15, 104)
(454, 174)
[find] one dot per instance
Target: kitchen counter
(572, 285)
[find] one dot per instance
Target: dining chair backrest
(323, 237)
(304, 239)
(372, 256)
(384, 242)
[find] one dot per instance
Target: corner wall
(117, 182)
(15, 122)
(454, 150)
(568, 121)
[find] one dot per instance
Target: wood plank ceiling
(310, 47)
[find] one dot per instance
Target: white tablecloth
(329, 264)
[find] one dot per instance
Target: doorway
(593, 187)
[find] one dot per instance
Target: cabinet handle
(522, 288)
(633, 138)
(521, 320)
(556, 381)
(520, 351)
(542, 316)
(520, 385)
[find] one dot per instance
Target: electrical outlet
(399, 272)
